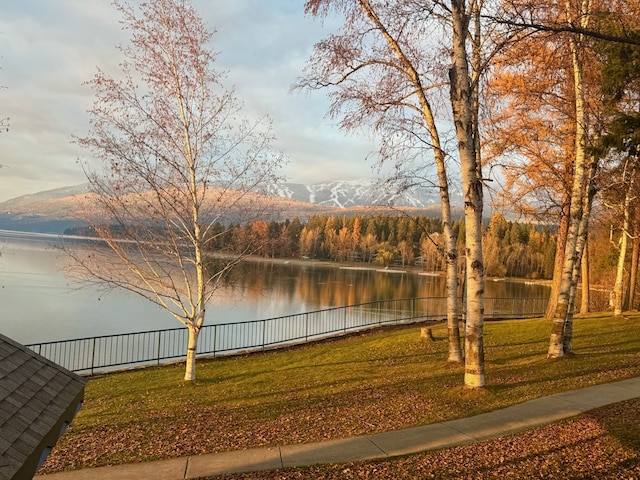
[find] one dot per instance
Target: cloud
(49, 49)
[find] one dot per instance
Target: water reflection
(318, 285)
(40, 304)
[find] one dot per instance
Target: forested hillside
(512, 249)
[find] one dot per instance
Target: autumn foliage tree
(531, 133)
(180, 164)
(555, 119)
(620, 144)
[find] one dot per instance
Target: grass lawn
(371, 382)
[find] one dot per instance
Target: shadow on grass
(622, 421)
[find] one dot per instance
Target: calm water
(39, 303)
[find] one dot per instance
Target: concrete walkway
(490, 425)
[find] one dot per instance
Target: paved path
(494, 424)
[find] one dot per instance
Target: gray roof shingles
(37, 398)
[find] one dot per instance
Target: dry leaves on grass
(214, 429)
(604, 444)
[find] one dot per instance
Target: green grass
(350, 386)
(515, 354)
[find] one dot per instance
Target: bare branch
(178, 160)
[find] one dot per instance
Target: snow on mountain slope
(336, 193)
(55, 210)
(361, 192)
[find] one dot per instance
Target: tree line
(512, 249)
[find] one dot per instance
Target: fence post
(395, 311)
(345, 318)
(215, 338)
(93, 354)
(159, 343)
(264, 326)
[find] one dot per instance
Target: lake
(39, 303)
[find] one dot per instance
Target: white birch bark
(462, 106)
(581, 246)
(449, 251)
(585, 298)
(618, 297)
(192, 347)
(564, 305)
(633, 274)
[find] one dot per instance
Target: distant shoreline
(397, 269)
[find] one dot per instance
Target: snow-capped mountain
(54, 211)
(362, 192)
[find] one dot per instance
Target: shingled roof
(38, 399)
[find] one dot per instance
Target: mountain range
(362, 192)
(53, 211)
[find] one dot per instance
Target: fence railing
(92, 354)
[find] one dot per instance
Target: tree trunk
(618, 286)
(461, 92)
(192, 347)
(453, 304)
(561, 243)
(563, 305)
(581, 246)
(571, 255)
(449, 251)
(585, 300)
(619, 283)
(451, 257)
(633, 275)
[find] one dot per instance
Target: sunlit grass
(515, 354)
(375, 381)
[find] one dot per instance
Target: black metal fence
(92, 354)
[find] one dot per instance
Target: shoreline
(409, 269)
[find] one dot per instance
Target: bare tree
(381, 77)
(179, 165)
(396, 44)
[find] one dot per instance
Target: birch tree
(562, 318)
(628, 179)
(581, 23)
(396, 44)
(580, 15)
(381, 75)
(465, 117)
(179, 164)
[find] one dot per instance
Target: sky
(49, 48)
